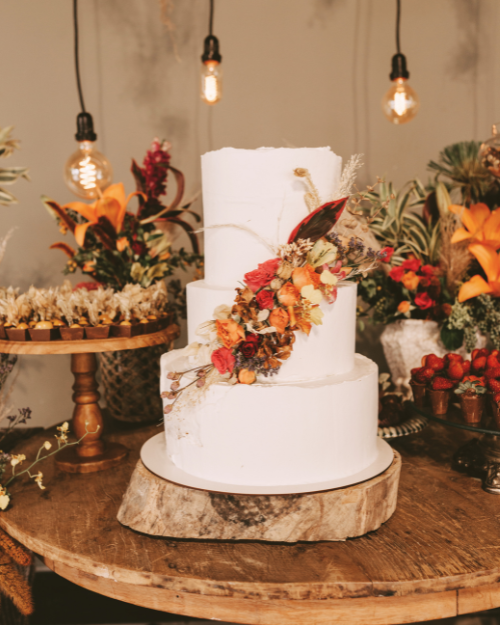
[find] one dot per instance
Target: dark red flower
(249, 347)
(427, 270)
(411, 264)
(265, 299)
(263, 275)
(90, 286)
(386, 254)
(223, 360)
(423, 301)
(396, 273)
(155, 168)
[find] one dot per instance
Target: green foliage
(470, 385)
(9, 175)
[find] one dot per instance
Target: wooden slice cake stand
(93, 453)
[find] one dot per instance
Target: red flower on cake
(265, 299)
(249, 347)
(411, 264)
(223, 360)
(396, 273)
(423, 301)
(263, 275)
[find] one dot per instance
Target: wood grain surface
(89, 346)
(155, 506)
(437, 556)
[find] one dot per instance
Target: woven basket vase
(131, 383)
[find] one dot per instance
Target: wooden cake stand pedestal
(93, 453)
(160, 507)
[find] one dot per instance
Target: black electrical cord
(211, 18)
(398, 20)
(77, 59)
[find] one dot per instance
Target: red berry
(494, 385)
(479, 364)
(472, 378)
(424, 375)
(450, 357)
(496, 398)
(441, 384)
(433, 361)
(492, 362)
(492, 373)
(466, 366)
(495, 352)
(455, 371)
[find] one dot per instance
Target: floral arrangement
(446, 238)
(118, 247)
(280, 297)
(64, 307)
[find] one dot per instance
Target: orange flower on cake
(304, 276)
(477, 285)
(481, 225)
(245, 376)
(288, 295)
(410, 280)
(229, 332)
(263, 275)
(279, 319)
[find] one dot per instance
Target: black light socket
(85, 127)
(211, 50)
(399, 69)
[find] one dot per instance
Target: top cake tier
(257, 189)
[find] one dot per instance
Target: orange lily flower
(481, 225)
(112, 205)
(477, 285)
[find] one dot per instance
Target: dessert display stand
(162, 500)
(92, 453)
(479, 457)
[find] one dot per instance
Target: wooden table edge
(368, 610)
(90, 345)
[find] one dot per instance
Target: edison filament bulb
(211, 82)
(87, 172)
(400, 104)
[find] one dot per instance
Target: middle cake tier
(328, 350)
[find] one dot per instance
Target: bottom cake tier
(276, 434)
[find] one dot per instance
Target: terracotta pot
(419, 394)
(439, 401)
(97, 332)
(14, 334)
(127, 331)
(150, 327)
(72, 334)
(472, 406)
(44, 334)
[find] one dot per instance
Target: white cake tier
(257, 189)
(328, 350)
(276, 434)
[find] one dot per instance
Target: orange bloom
(112, 205)
(298, 321)
(490, 262)
(246, 377)
(303, 276)
(229, 332)
(410, 280)
(122, 243)
(89, 266)
(404, 307)
(481, 225)
(288, 295)
(279, 319)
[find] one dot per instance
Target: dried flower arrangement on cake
(445, 265)
(67, 313)
(117, 247)
(280, 297)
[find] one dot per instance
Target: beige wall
(297, 72)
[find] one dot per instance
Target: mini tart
(22, 326)
(57, 323)
(75, 325)
(44, 325)
(83, 322)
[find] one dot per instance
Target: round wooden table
(438, 556)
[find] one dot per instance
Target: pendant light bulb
(87, 172)
(211, 71)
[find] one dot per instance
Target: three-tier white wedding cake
(316, 420)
